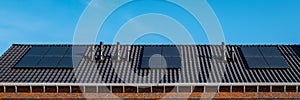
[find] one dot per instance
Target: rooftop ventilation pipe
(118, 51)
(223, 51)
(128, 53)
(99, 54)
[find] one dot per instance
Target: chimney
(118, 51)
(223, 51)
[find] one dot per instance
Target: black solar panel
(173, 62)
(264, 57)
(276, 62)
(69, 62)
(65, 62)
(150, 51)
(161, 57)
(251, 52)
(37, 50)
(270, 52)
(256, 62)
(153, 62)
(57, 51)
(161, 62)
(49, 62)
(51, 57)
(76, 50)
(28, 61)
(170, 52)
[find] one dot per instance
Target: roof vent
(223, 51)
(92, 52)
(232, 54)
(128, 53)
(118, 51)
(99, 53)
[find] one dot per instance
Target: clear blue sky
(243, 21)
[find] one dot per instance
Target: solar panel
(65, 61)
(153, 62)
(68, 62)
(76, 50)
(57, 51)
(170, 52)
(276, 62)
(37, 50)
(251, 52)
(28, 61)
(270, 52)
(49, 62)
(150, 51)
(172, 62)
(264, 57)
(256, 62)
(161, 62)
(296, 49)
(51, 57)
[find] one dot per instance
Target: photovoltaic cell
(153, 62)
(256, 62)
(161, 57)
(161, 62)
(49, 62)
(150, 51)
(276, 62)
(173, 62)
(28, 61)
(37, 50)
(65, 62)
(170, 52)
(69, 62)
(251, 52)
(296, 49)
(57, 51)
(76, 50)
(270, 52)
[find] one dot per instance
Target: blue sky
(243, 21)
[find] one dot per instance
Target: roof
(200, 64)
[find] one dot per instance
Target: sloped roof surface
(200, 64)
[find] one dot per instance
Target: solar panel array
(52, 57)
(161, 57)
(264, 57)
